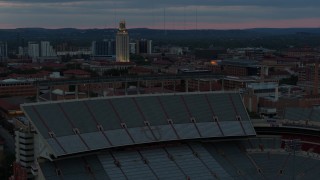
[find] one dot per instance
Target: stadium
(202, 135)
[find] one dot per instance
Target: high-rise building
(133, 48)
(103, 48)
(33, 50)
(144, 46)
(3, 51)
(122, 43)
(46, 50)
(22, 51)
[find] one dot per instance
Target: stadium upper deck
(79, 126)
(164, 136)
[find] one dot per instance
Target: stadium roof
(80, 126)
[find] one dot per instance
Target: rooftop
(239, 62)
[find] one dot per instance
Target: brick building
(236, 67)
(13, 87)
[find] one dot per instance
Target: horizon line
(100, 28)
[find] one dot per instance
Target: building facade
(144, 46)
(122, 43)
(103, 48)
(33, 50)
(46, 50)
(24, 144)
(13, 87)
(307, 77)
(3, 51)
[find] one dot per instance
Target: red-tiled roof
(53, 65)
(139, 69)
(162, 62)
(76, 72)
(27, 66)
(40, 74)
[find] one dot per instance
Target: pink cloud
(7, 26)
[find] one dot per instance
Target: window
(24, 155)
(26, 161)
(26, 144)
(26, 138)
(22, 149)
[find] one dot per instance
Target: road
(9, 140)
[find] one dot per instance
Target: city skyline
(190, 14)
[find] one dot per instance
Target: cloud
(181, 3)
(150, 13)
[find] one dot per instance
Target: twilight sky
(179, 14)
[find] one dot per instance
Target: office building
(22, 51)
(308, 78)
(33, 50)
(144, 46)
(46, 50)
(122, 43)
(15, 87)
(133, 48)
(236, 67)
(105, 48)
(3, 51)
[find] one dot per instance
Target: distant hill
(281, 31)
(267, 37)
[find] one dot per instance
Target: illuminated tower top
(122, 27)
